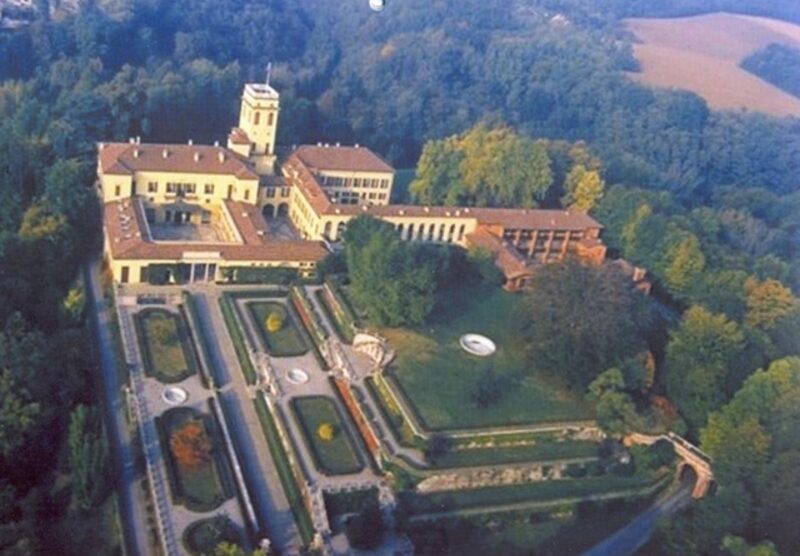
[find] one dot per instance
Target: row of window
(371, 183)
(344, 196)
(271, 191)
(190, 188)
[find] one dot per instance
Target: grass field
(702, 54)
(165, 345)
(337, 456)
(202, 488)
(542, 451)
(287, 341)
(438, 377)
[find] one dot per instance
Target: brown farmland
(702, 54)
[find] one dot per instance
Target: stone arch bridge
(691, 458)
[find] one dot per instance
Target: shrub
(274, 322)
(326, 432)
(190, 445)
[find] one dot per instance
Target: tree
(767, 302)
(615, 409)
(584, 189)
(191, 445)
(483, 167)
(17, 413)
(685, 264)
(88, 456)
(274, 322)
(393, 281)
(579, 320)
(700, 356)
(737, 546)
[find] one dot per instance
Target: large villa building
(202, 212)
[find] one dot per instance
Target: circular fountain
(297, 376)
(175, 395)
(477, 344)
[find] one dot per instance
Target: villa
(196, 213)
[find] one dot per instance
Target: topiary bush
(326, 432)
(274, 322)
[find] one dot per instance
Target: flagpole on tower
(269, 72)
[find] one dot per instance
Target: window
(284, 192)
(171, 187)
(116, 191)
(270, 192)
(257, 118)
(271, 118)
(246, 194)
(209, 189)
(190, 187)
(124, 275)
(152, 187)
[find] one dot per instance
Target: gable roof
(341, 159)
(127, 158)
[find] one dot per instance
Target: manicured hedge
(238, 341)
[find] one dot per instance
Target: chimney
(338, 144)
(357, 145)
(136, 153)
(221, 157)
(165, 153)
(138, 140)
(197, 157)
(216, 143)
(132, 141)
(191, 142)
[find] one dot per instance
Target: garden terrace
(166, 345)
(536, 493)
(286, 340)
(205, 484)
(337, 455)
(437, 380)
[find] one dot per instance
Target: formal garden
(197, 467)
(276, 329)
(165, 345)
(326, 435)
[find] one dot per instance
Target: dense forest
(707, 201)
(777, 63)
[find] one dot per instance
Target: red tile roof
(128, 239)
(342, 159)
(507, 259)
(127, 158)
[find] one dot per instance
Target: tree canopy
(579, 320)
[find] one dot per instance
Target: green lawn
(542, 451)
(333, 457)
(165, 344)
(206, 486)
(438, 377)
(287, 341)
(543, 491)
